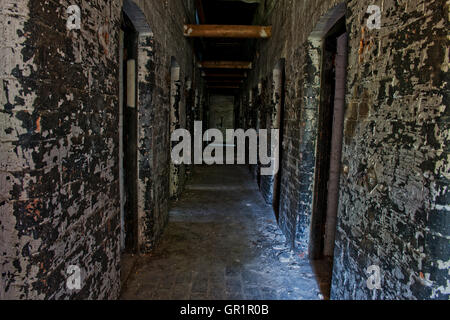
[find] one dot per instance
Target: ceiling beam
(225, 65)
(226, 31)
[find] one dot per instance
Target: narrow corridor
(222, 242)
(336, 112)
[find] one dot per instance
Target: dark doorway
(330, 119)
(279, 82)
(129, 136)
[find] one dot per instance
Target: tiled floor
(222, 242)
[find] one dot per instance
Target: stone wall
(59, 139)
(394, 197)
(292, 22)
(221, 113)
(166, 20)
(59, 149)
(393, 207)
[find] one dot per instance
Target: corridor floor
(222, 242)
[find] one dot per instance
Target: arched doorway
(325, 93)
(135, 93)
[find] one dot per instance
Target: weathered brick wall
(292, 22)
(221, 113)
(394, 200)
(59, 139)
(166, 20)
(59, 149)
(393, 208)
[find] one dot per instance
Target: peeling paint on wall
(394, 184)
(396, 106)
(58, 165)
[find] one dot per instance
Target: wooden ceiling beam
(227, 31)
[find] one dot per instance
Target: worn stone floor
(222, 242)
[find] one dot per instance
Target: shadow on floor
(222, 242)
(323, 271)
